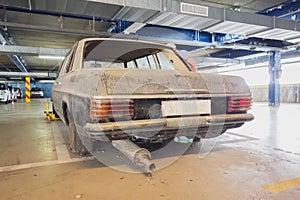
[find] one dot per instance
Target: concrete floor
(261, 160)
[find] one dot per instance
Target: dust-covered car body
(116, 89)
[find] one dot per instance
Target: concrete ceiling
(44, 30)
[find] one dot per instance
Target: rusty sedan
(132, 92)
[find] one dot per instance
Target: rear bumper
(166, 124)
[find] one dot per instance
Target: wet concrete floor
(246, 163)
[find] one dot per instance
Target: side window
(151, 62)
(143, 63)
(64, 64)
(68, 62)
(70, 65)
(164, 62)
(130, 64)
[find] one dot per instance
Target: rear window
(36, 89)
(130, 54)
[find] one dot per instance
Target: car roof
(126, 40)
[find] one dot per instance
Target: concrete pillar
(275, 73)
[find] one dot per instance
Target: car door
(60, 87)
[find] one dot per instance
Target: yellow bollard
(47, 107)
(27, 86)
(49, 114)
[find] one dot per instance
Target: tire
(76, 145)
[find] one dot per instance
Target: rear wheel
(76, 145)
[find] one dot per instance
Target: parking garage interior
(256, 40)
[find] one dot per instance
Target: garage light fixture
(46, 81)
(51, 57)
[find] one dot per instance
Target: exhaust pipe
(137, 155)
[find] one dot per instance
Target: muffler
(138, 156)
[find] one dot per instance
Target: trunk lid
(151, 82)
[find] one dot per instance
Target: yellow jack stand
(50, 116)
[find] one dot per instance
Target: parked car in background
(125, 90)
(36, 92)
(13, 93)
(5, 94)
(19, 92)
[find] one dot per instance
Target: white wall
(260, 76)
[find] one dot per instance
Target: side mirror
(52, 75)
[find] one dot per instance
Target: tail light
(111, 109)
(239, 104)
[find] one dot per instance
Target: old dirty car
(114, 89)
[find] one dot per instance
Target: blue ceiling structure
(288, 10)
(225, 30)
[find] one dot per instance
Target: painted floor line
(42, 164)
(283, 185)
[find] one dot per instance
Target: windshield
(130, 54)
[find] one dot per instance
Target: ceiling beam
(266, 58)
(32, 51)
(20, 26)
(25, 74)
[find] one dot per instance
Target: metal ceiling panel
(135, 14)
(150, 4)
(277, 34)
(235, 28)
(101, 10)
(56, 22)
(294, 40)
(43, 39)
(15, 3)
(116, 2)
(78, 7)
(183, 21)
(241, 23)
(251, 6)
